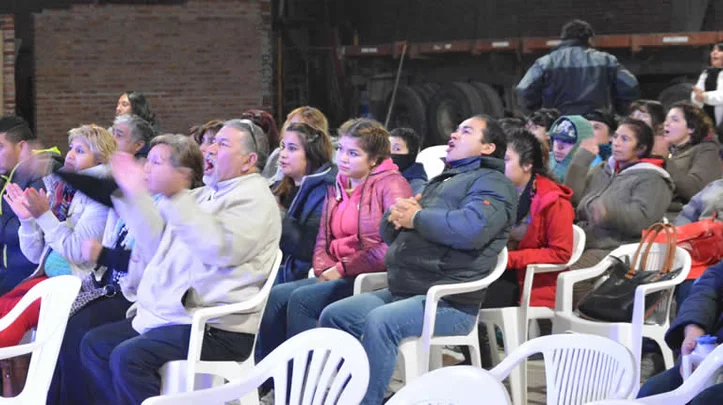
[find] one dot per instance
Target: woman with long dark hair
(305, 161)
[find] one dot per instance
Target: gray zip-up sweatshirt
(204, 248)
(632, 199)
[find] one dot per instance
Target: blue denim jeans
(295, 307)
(671, 379)
(382, 320)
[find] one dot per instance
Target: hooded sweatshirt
(569, 128)
(631, 199)
(549, 239)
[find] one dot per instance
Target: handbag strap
(646, 243)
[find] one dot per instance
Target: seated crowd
(160, 226)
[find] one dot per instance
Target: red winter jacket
(379, 192)
(548, 239)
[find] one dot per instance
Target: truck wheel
(490, 99)
(426, 91)
(409, 111)
(452, 104)
(675, 93)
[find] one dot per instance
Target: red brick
(195, 62)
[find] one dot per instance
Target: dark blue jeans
(295, 307)
(64, 388)
(10, 279)
(382, 320)
(123, 364)
(671, 379)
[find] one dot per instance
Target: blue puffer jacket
(301, 224)
(702, 308)
(416, 177)
(577, 79)
(466, 215)
(15, 267)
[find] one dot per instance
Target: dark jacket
(300, 226)
(464, 224)
(576, 79)
(15, 267)
(702, 308)
(416, 177)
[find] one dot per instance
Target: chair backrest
(56, 296)
(578, 368)
(578, 244)
(458, 385)
(320, 366)
(431, 159)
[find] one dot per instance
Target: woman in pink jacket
(348, 243)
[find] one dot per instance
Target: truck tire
(426, 91)
(490, 99)
(452, 104)
(675, 93)
(409, 111)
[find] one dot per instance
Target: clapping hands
(403, 210)
(28, 203)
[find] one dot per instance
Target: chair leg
(492, 340)
(435, 358)
(409, 352)
(518, 376)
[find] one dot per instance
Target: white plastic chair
(703, 376)
(432, 160)
(629, 334)
(514, 321)
(458, 385)
(578, 368)
(56, 297)
(187, 375)
(328, 367)
(416, 351)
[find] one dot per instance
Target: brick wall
(7, 36)
(202, 60)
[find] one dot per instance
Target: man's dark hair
(577, 29)
(15, 129)
(494, 134)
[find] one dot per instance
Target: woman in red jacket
(543, 230)
(348, 243)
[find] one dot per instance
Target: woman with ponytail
(543, 228)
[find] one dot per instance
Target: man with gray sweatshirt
(211, 246)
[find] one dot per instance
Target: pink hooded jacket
(379, 191)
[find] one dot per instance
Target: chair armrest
(566, 281)
(369, 282)
(198, 327)
(437, 292)
(19, 350)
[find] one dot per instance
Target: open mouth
(209, 166)
(450, 146)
